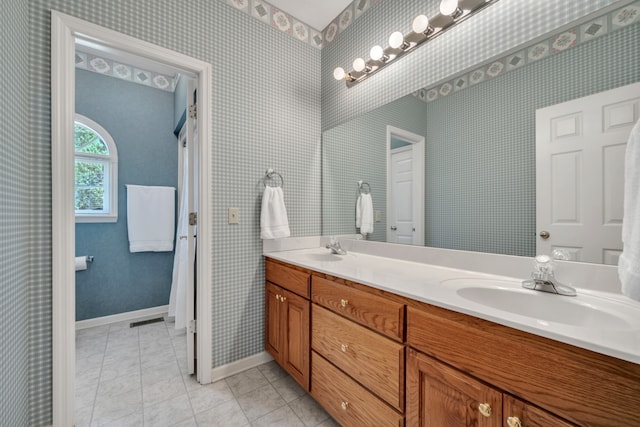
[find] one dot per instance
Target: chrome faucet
(334, 246)
(543, 279)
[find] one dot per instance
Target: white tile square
(209, 396)
(168, 413)
(228, 414)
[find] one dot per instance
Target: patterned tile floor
(136, 377)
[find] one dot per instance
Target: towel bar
(269, 174)
(362, 189)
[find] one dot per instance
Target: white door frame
(64, 30)
(417, 146)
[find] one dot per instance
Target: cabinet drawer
(347, 401)
(289, 278)
(371, 310)
(371, 359)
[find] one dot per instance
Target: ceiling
(316, 13)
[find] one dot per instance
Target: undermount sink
(583, 311)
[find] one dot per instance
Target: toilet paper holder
(82, 262)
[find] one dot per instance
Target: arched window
(96, 172)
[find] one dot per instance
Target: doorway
(66, 30)
(405, 187)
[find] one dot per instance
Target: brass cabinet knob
(485, 409)
(545, 234)
(514, 422)
(283, 299)
(344, 302)
(344, 347)
(345, 405)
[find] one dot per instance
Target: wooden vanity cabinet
(553, 381)
(439, 395)
(287, 320)
(350, 345)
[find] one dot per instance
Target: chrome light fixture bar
(452, 12)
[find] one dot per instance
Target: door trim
(64, 30)
(418, 149)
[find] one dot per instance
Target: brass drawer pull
(344, 302)
(344, 405)
(485, 409)
(283, 299)
(514, 422)
(344, 347)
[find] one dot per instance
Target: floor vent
(146, 322)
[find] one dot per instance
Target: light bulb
(376, 53)
(449, 8)
(359, 65)
(396, 40)
(339, 73)
(420, 24)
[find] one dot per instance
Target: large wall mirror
(479, 156)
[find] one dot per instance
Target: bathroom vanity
(372, 352)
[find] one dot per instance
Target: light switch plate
(233, 216)
(378, 216)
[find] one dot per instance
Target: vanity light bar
(452, 12)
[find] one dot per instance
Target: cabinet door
(274, 308)
(520, 414)
(295, 359)
(438, 395)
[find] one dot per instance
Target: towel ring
(270, 174)
(362, 189)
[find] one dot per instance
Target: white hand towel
(150, 218)
(366, 214)
(274, 223)
(359, 211)
(629, 262)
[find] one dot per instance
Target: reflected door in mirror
(401, 214)
(580, 148)
(405, 187)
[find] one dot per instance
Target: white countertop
(610, 325)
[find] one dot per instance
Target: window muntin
(96, 169)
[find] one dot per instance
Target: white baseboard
(238, 366)
(122, 317)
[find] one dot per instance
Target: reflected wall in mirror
(480, 161)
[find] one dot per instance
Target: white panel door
(401, 214)
(580, 146)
